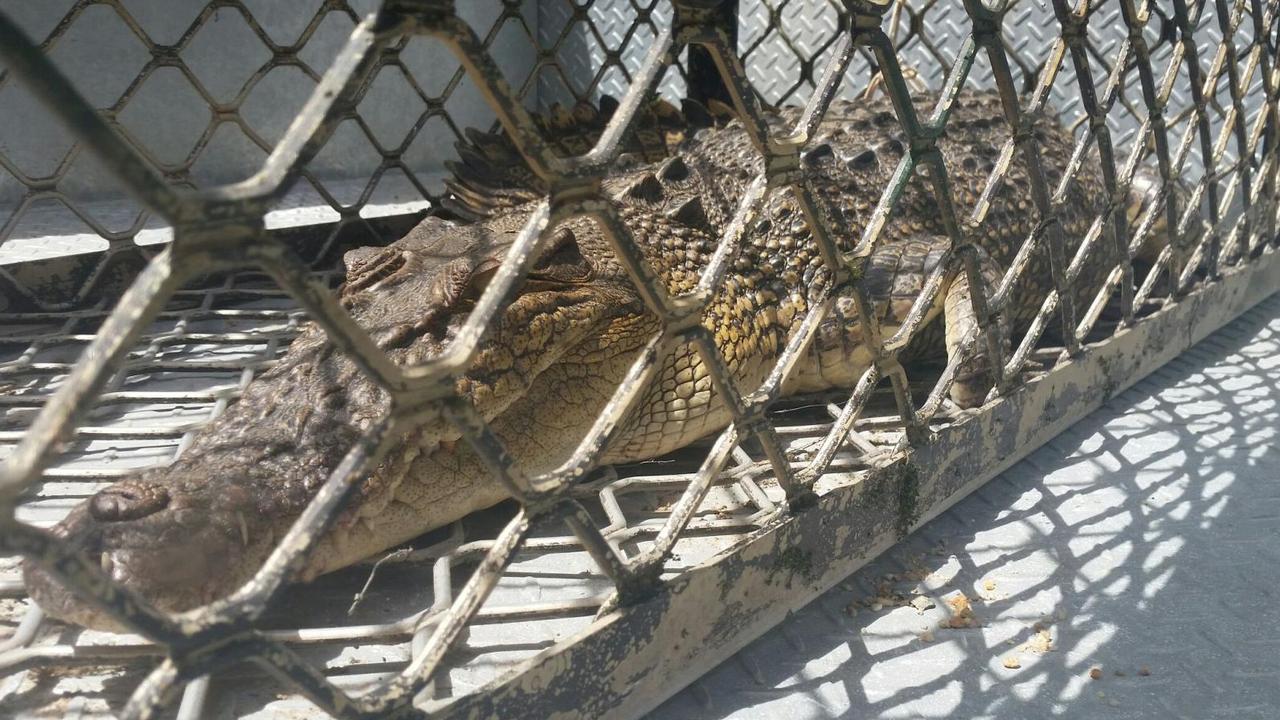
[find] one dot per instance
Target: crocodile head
(192, 532)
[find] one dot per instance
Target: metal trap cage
(260, 139)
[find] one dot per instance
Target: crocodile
(189, 533)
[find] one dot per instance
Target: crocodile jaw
(167, 574)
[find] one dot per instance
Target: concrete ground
(1128, 569)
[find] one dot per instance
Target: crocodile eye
(563, 262)
(128, 500)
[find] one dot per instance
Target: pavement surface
(1128, 569)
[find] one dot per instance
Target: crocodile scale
(184, 535)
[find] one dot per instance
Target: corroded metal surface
(661, 621)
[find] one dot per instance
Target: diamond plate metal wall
(205, 90)
(600, 47)
(785, 42)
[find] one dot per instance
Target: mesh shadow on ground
(1142, 538)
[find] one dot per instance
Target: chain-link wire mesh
(1189, 91)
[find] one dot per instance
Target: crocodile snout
(173, 549)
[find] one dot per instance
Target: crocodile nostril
(128, 501)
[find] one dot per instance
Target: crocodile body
(191, 532)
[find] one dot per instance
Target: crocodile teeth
(674, 169)
(691, 213)
(646, 188)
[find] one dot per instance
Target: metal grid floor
(1142, 543)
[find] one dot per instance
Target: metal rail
(787, 485)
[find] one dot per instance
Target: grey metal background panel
(103, 54)
(211, 116)
(1142, 539)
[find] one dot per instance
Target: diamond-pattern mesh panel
(114, 361)
(785, 44)
(206, 116)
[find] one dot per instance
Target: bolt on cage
(689, 564)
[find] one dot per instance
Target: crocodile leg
(973, 379)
